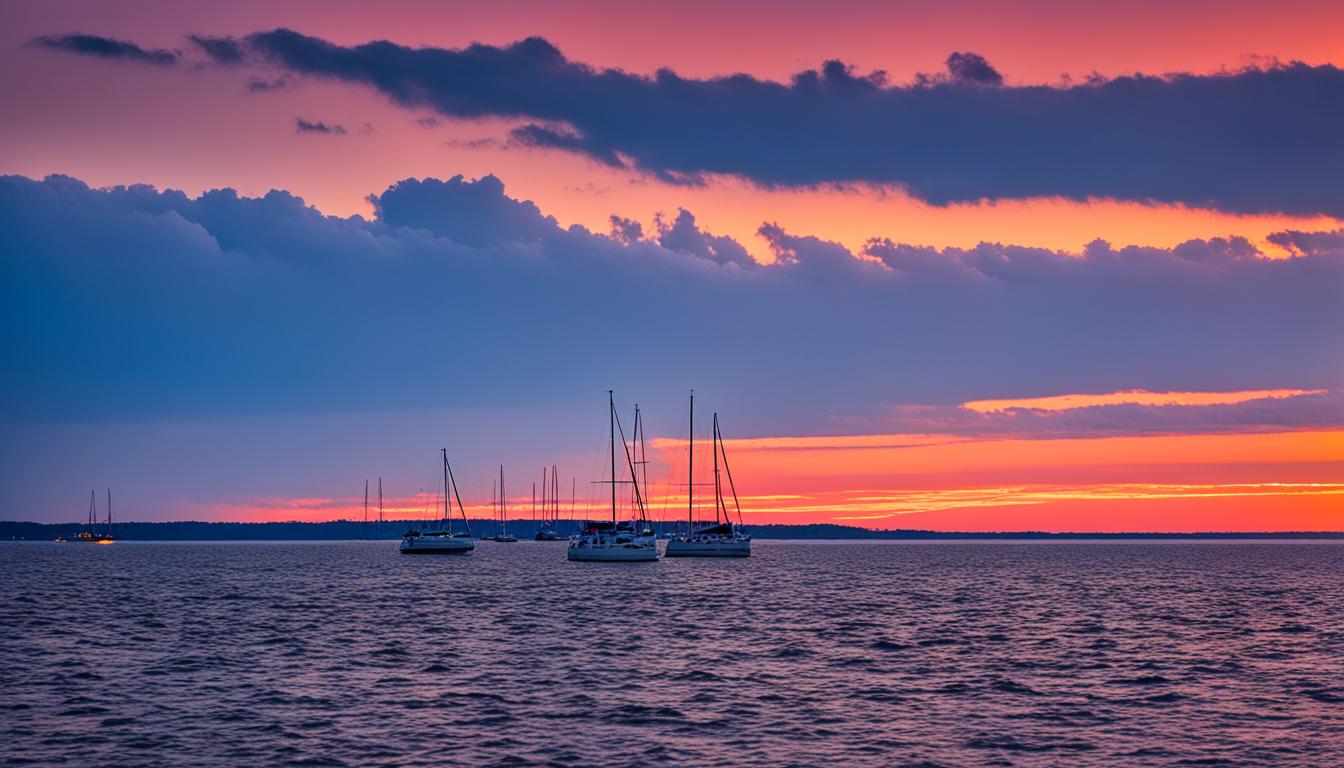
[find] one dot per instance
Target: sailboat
(91, 534)
(616, 542)
(503, 535)
(550, 506)
(442, 541)
(722, 539)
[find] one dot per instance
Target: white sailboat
(616, 542)
(442, 541)
(722, 538)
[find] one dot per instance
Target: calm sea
(855, 654)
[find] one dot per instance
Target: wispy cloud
(105, 48)
(317, 126)
(1135, 397)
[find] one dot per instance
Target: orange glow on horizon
(1219, 482)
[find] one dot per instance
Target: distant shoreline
(347, 530)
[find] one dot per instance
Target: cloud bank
(130, 302)
(1259, 139)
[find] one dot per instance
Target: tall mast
(643, 455)
(611, 412)
(503, 503)
(690, 469)
(446, 518)
(380, 506)
(718, 491)
(555, 495)
(93, 508)
(109, 511)
(365, 532)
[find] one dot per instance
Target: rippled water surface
(856, 654)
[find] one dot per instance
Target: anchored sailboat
(91, 534)
(550, 506)
(624, 541)
(442, 541)
(722, 539)
(502, 535)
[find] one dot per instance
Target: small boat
(721, 538)
(91, 534)
(441, 541)
(616, 542)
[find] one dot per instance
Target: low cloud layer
(130, 302)
(1260, 139)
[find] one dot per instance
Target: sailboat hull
(437, 546)
(612, 554)
(708, 548)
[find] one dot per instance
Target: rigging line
(633, 477)
(724, 452)
(457, 496)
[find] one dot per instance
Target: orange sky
(1239, 482)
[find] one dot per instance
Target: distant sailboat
(442, 541)
(503, 536)
(722, 539)
(550, 506)
(91, 534)
(619, 542)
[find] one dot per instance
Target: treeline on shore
(344, 530)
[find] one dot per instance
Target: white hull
(709, 547)
(437, 545)
(613, 553)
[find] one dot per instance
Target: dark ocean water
(857, 654)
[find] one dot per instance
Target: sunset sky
(957, 266)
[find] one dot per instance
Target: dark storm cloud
(105, 48)
(1267, 139)
(317, 126)
(457, 294)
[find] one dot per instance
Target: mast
(555, 495)
(109, 511)
(365, 531)
(503, 503)
(446, 518)
(643, 459)
(718, 490)
(380, 507)
(611, 412)
(690, 470)
(93, 508)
